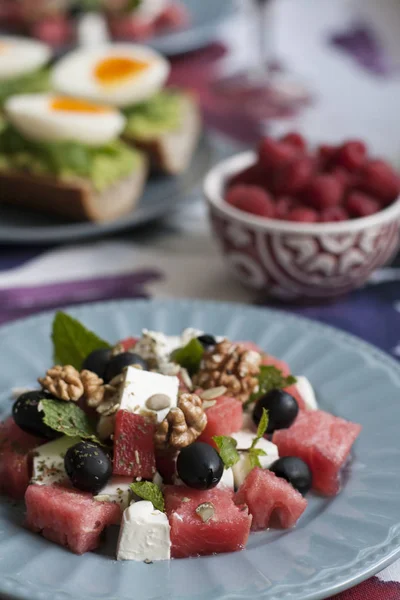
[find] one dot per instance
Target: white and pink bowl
(298, 261)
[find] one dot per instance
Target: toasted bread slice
(172, 151)
(75, 199)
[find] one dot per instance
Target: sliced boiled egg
(116, 74)
(52, 118)
(148, 10)
(19, 56)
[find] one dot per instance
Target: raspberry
(348, 180)
(379, 179)
(333, 214)
(352, 155)
(293, 177)
(324, 191)
(303, 214)
(326, 155)
(283, 206)
(295, 139)
(361, 205)
(254, 175)
(273, 154)
(251, 199)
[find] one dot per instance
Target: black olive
(295, 471)
(207, 341)
(88, 466)
(282, 410)
(200, 466)
(118, 363)
(29, 418)
(97, 361)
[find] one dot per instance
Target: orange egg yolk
(65, 104)
(116, 69)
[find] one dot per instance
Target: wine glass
(265, 89)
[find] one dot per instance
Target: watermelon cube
(267, 496)
(281, 365)
(324, 442)
(15, 448)
(225, 529)
(134, 453)
(68, 517)
(224, 418)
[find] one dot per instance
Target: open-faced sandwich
(82, 150)
(63, 155)
(22, 66)
(163, 122)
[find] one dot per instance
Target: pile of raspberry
(333, 183)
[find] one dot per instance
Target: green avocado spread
(102, 165)
(31, 83)
(160, 114)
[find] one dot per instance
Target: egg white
(33, 117)
(19, 56)
(148, 10)
(75, 75)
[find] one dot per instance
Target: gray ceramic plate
(337, 543)
(205, 19)
(162, 195)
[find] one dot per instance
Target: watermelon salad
(186, 443)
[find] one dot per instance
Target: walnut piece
(232, 366)
(63, 382)
(182, 425)
(93, 388)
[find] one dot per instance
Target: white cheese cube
(227, 480)
(144, 534)
(48, 461)
(140, 387)
(306, 391)
(117, 490)
(243, 466)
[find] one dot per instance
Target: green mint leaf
(189, 356)
(72, 341)
(227, 450)
(270, 378)
(68, 419)
(254, 453)
(149, 491)
(262, 428)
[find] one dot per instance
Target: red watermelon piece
(266, 494)
(134, 453)
(68, 517)
(227, 531)
(293, 391)
(128, 343)
(15, 448)
(224, 418)
(324, 442)
(281, 365)
(166, 465)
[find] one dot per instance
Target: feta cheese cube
(243, 467)
(140, 387)
(306, 392)
(144, 534)
(48, 461)
(227, 480)
(117, 490)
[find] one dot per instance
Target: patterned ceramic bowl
(298, 261)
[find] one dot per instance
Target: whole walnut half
(232, 366)
(63, 382)
(182, 425)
